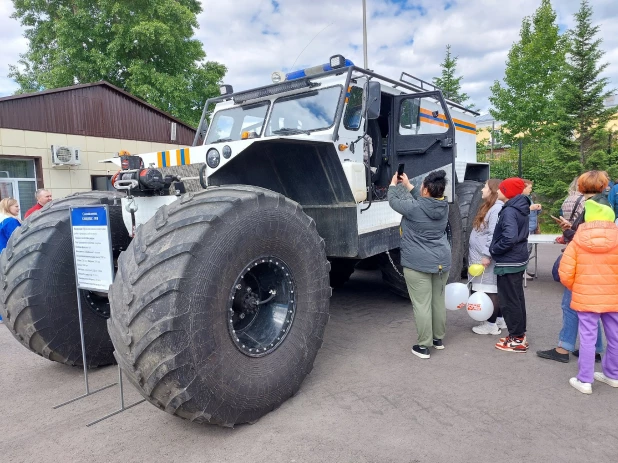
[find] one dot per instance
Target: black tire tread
(21, 298)
(469, 198)
(150, 351)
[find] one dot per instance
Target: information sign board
(92, 248)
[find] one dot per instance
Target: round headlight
(213, 158)
(227, 152)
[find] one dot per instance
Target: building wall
(64, 180)
(95, 110)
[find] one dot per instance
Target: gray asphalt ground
(367, 400)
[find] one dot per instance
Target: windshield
(229, 124)
(305, 112)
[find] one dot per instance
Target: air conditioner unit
(65, 156)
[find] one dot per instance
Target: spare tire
(390, 264)
(38, 298)
(220, 303)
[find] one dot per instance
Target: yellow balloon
(476, 270)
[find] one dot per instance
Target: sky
(253, 38)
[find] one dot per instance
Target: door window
(421, 116)
(354, 110)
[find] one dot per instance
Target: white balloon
(480, 306)
(456, 296)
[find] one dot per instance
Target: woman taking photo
(425, 254)
(480, 239)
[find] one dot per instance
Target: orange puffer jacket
(589, 267)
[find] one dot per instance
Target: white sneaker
(501, 323)
(487, 328)
(604, 379)
(584, 388)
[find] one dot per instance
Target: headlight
(227, 152)
(213, 158)
(277, 77)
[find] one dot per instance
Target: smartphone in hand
(400, 170)
(556, 219)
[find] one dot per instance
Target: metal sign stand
(94, 271)
(122, 407)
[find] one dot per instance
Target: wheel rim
(261, 306)
(97, 302)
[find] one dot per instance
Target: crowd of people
(10, 217)
(588, 267)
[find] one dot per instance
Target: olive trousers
(426, 291)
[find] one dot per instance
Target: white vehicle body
(241, 136)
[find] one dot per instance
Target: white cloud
(255, 37)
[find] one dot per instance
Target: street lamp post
(365, 34)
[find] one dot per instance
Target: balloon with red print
(480, 307)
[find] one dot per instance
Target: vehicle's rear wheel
(220, 303)
(38, 299)
(392, 271)
(469, 198)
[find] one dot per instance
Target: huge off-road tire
(469, 198)
(220, 303)
(392, 272)
(38, 299)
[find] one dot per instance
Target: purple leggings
(588, 326)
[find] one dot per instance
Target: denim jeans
(570, 322)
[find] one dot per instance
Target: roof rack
(424, 86)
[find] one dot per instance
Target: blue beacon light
(314, 70)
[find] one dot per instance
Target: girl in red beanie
(509, 250)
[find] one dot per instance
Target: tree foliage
(525, 102)
(552, 99)
(448, 82)
(582, 115)
(145, 47)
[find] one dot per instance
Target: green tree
(143, 46)
(526, 101)
(448, 82)
(581, 114)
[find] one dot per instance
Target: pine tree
(582, 116)
(146, 47)
(448, 83)
(526, 101)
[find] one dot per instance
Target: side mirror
(371, 100)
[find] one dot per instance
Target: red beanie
(512, 187)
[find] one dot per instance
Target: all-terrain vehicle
(227, 250)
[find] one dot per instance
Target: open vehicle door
(423, 137)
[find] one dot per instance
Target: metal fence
(512, 161)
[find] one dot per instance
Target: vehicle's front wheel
(219, 305)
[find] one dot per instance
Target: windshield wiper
(221, 140)
(291, 131)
